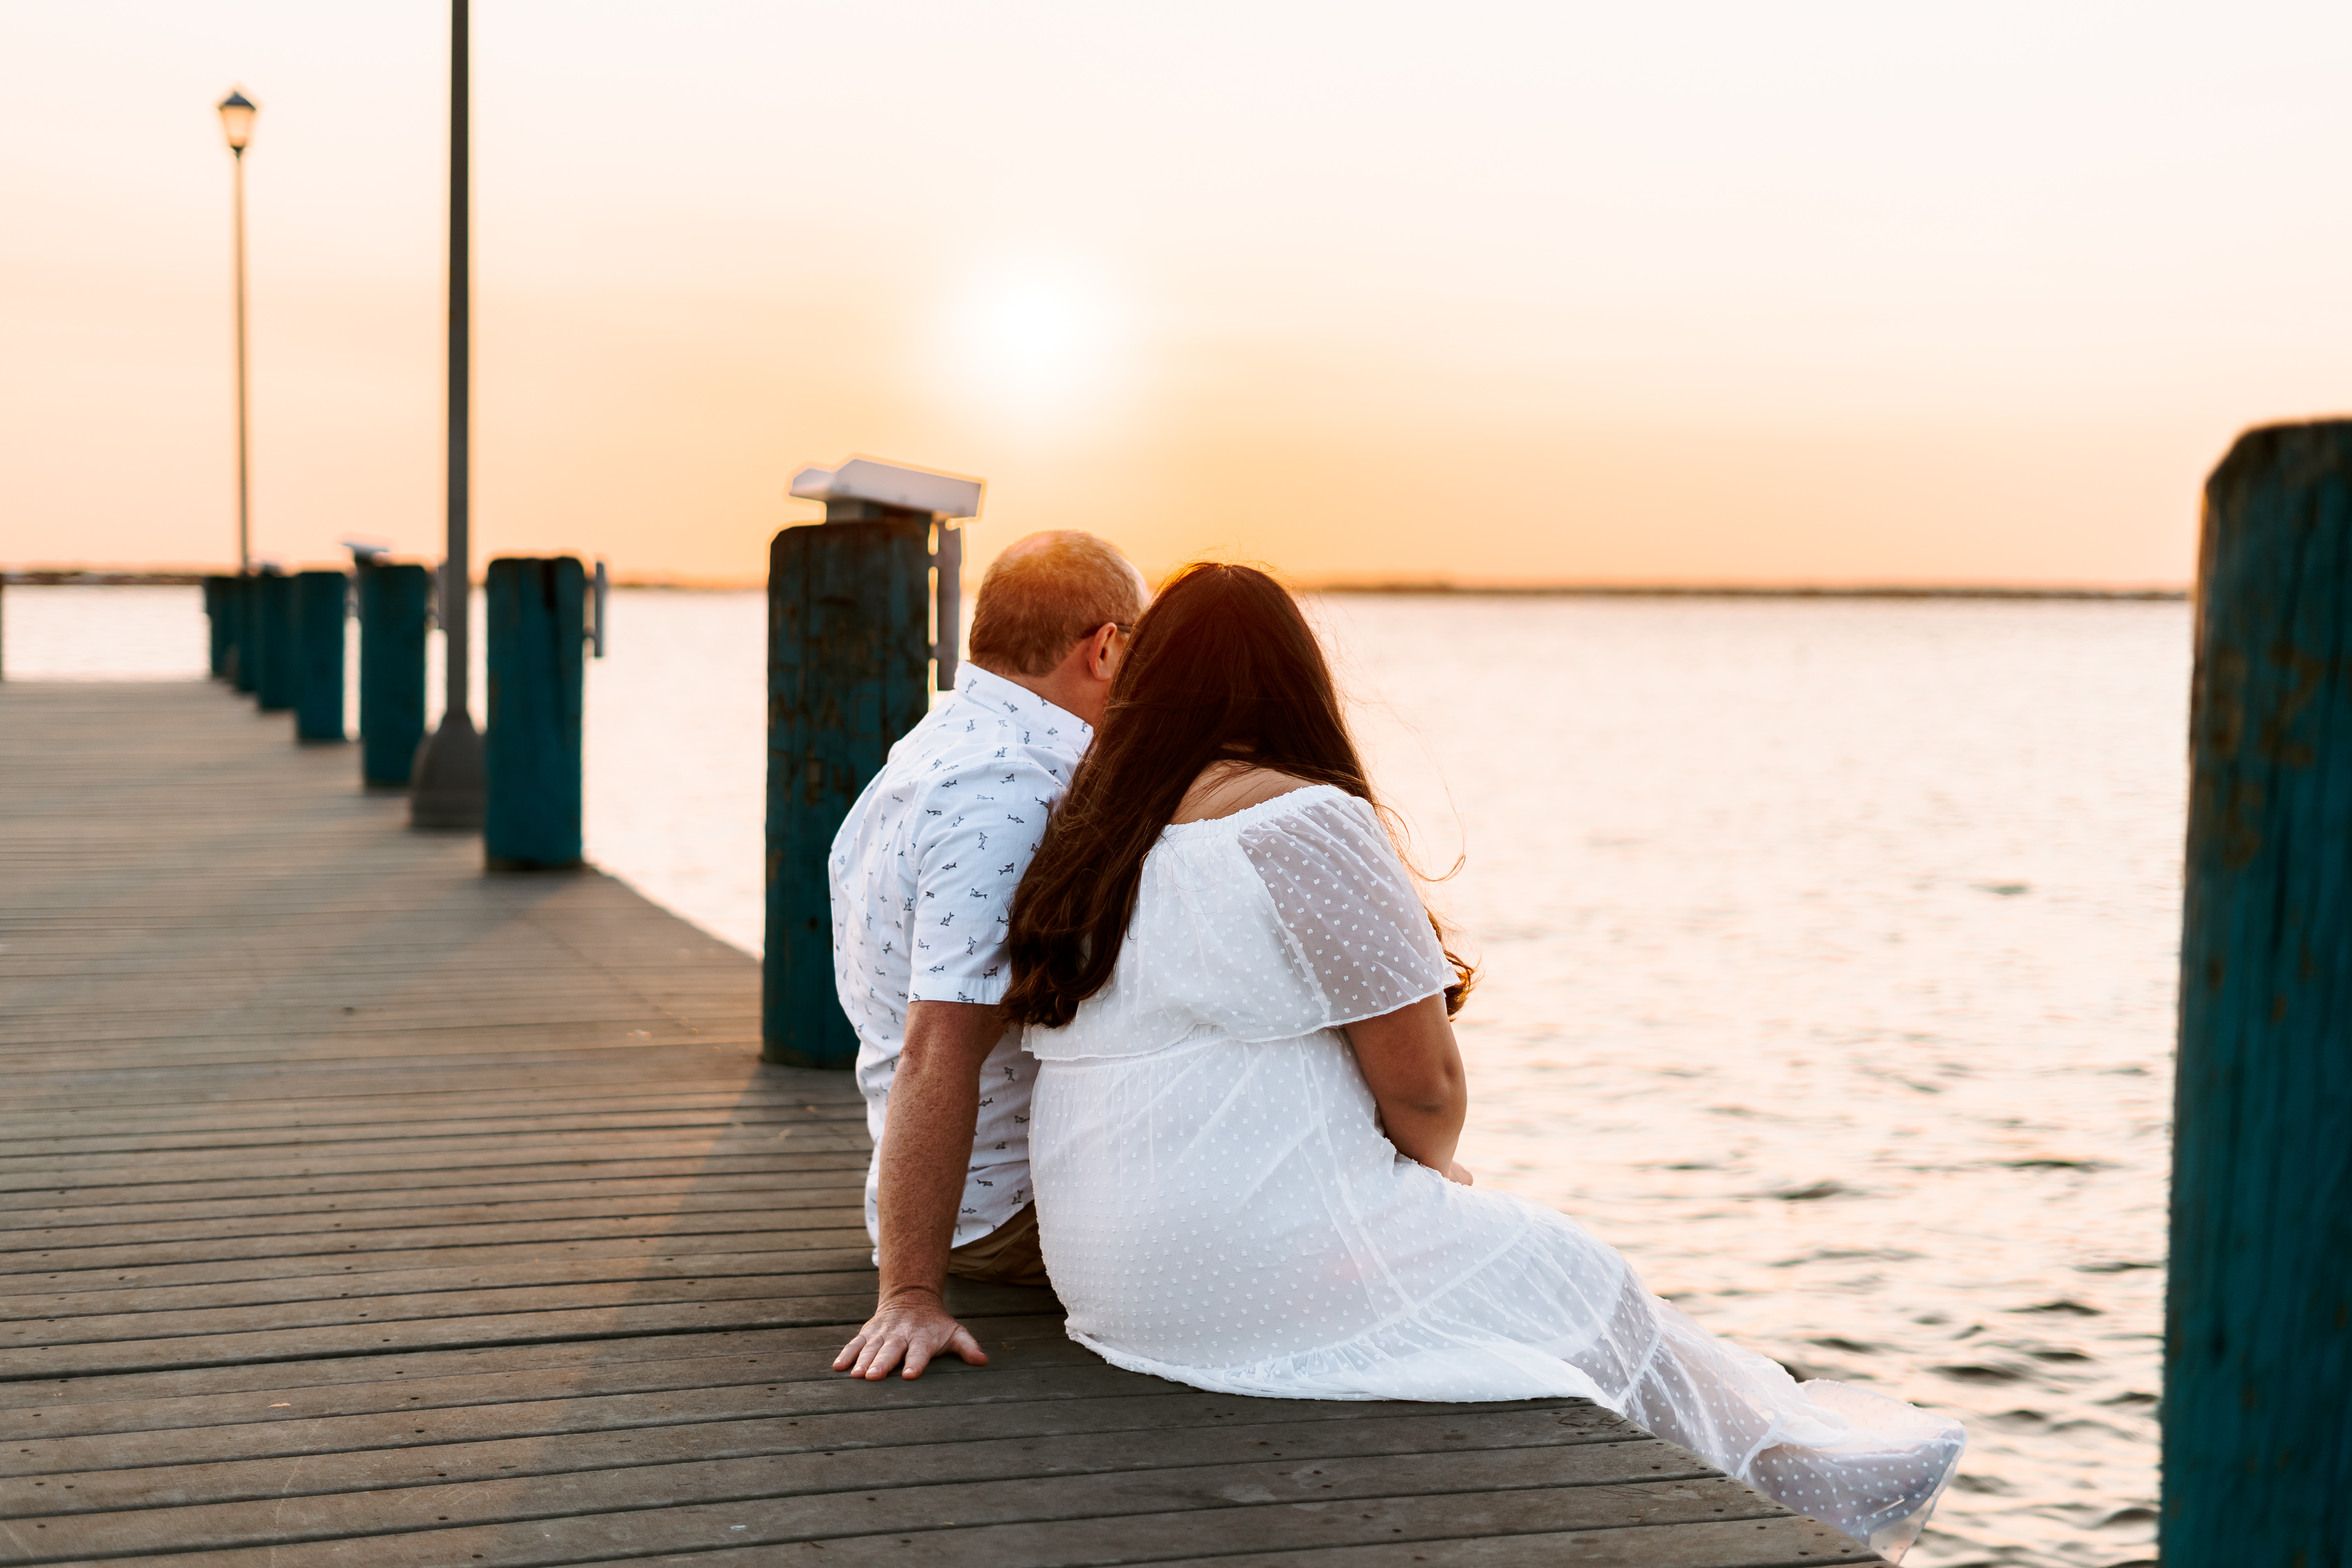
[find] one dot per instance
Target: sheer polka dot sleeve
(1281, 919)
(1351, 917)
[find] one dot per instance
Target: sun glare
(1034, 344)
(1039, 326)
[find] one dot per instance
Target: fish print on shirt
(923, 872)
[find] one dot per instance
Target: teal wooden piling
(277, 681)
(530, 755)
(321, 605)
(244, 666)
(2258, 1316)
(221, 599)
(393, 603)
(848, 673)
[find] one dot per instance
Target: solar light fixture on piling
(237, 113)
(447, 790)
(864, 490)
(859, 607)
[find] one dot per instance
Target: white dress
(1219, 1205)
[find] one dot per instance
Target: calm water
(1828, 959)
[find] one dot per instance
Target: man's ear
(1098, 662)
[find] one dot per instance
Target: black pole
(457, 582)
(244, 441)
(448, 788)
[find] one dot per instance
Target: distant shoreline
(1735, 590)
(98, 577)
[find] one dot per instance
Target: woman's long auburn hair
(1222, 665)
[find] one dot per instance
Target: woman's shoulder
(1227, 789)
(1262, 806)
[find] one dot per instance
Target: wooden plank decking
(356, 1207)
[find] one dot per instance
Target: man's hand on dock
(912, 1326)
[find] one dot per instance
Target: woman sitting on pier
(1245, 1125)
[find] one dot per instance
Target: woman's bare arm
(1414, 1069)
(1409, 1055)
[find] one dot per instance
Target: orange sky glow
(1693, 293)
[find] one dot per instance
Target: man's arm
(926, 1153)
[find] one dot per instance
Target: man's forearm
(926, 1154)
(927, 1139)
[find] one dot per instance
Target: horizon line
(104, 576)
(1445, 587)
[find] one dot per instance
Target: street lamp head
(236, 112)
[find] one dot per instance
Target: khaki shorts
(1009, 1255)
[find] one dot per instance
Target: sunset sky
(1818, 294)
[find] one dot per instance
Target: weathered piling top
(361, 1208)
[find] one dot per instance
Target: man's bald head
(1043, 593)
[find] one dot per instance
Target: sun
(1034, 343)
(1039, 325)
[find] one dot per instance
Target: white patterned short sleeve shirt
(923, 873)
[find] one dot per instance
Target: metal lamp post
(237, 113)
(447, 791)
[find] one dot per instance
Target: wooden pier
(361, 1208)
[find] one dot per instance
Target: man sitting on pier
(923, 874)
